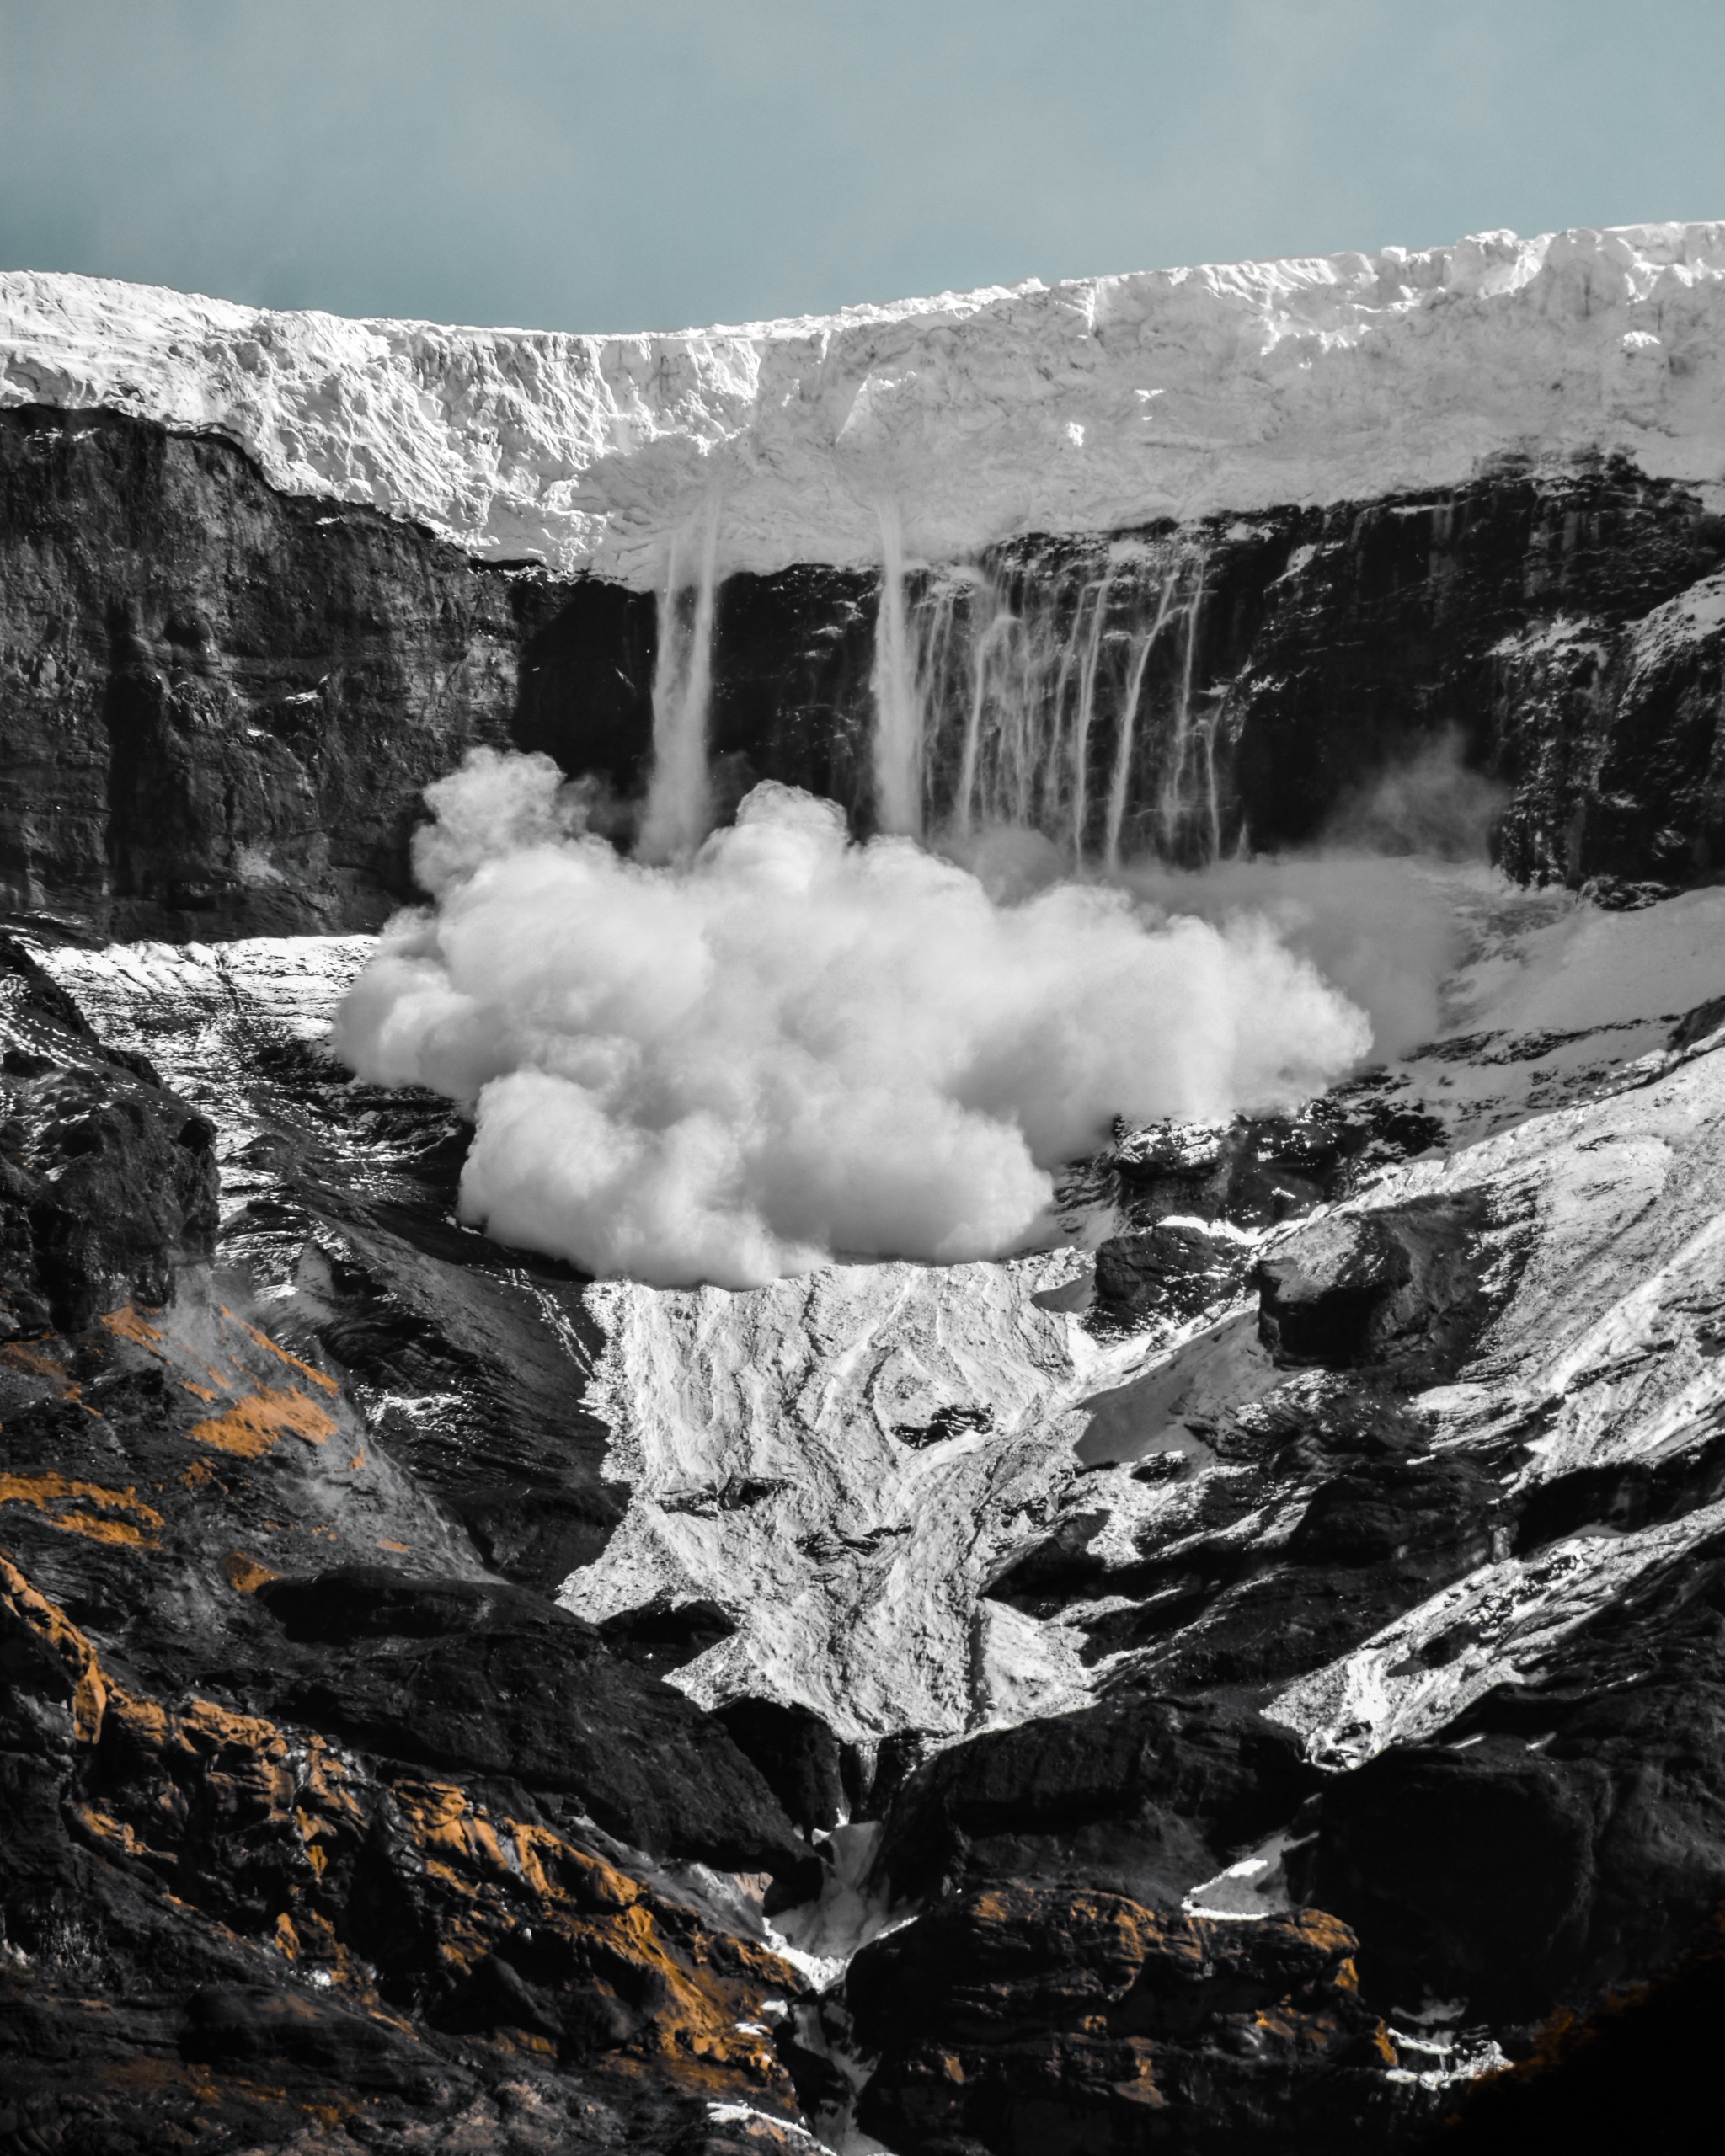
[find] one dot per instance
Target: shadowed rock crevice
(1401, 1289)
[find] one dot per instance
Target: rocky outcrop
(1637, 2068)
(107, 1182)
(314, 1823)
(1043, 2022)
(221, 703)
(1142, 1795)
(1400, 1289)
(1566, 1837)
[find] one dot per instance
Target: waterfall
(1175, 800)
(678, 812)
(1053, 685)
(898, 703)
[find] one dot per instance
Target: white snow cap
(1081, 406)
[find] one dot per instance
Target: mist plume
(794, 1047)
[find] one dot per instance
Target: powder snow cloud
(797, 1047)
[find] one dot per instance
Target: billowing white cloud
(797, 1047)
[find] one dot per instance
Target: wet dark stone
(1032, 2019)
(233, 2023)
(1517, 1871)
(1640, 2071)
(661, 1636)
(1004, 1961)
(1136, 1794)
(498, 1682)
(107, 1182)
(1381, 1509)
(798, 1755)
(1399, 1289)
(1053, 1572)
(1169, 1271)
(1620, 1499)
(218, 703)
(350, 1603)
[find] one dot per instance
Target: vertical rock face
(107, 1182)
(1188, 689)
(220, 703)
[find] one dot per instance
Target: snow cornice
(1079, 407)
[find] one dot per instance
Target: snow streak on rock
(1608, 1356)
(841, 1462)
(175, 1003)
(1089, 405)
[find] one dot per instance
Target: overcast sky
(656, 164)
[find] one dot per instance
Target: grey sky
(651, 163)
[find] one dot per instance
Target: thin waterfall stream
(1060, 690)
(898, 758)
(679, 811)
(1048, 686)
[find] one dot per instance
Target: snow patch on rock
(175, 1002)
(842, 1461)
(1607, 1353)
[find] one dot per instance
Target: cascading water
(679, 811)
(1056, 687)
(1052, 685)
(897, 705)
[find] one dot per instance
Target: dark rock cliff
(219, 704)
(1535, 619)
(317, 1832)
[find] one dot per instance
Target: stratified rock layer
(1069, 2023)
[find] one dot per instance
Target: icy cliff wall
(1086, 406)
(262, 576)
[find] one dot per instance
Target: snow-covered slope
(1607, 1355)
(842, 1464)
(1083, 406)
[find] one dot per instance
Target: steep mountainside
(1225, 1683)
